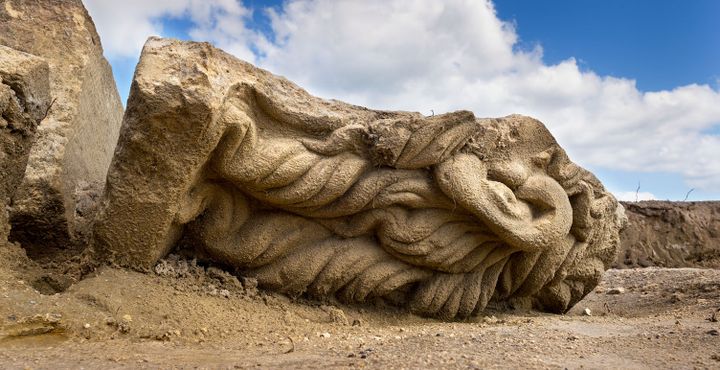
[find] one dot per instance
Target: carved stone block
(442, 214)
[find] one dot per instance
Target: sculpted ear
(534, 217)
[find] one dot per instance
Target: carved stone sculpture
(443, 214)
(24, 99)
(76, 139)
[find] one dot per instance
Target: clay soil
(183, 315)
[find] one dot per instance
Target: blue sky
(661, 44)
(629, 88)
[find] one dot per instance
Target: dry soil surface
(187, 316)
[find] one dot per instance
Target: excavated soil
(183, 315)
(670, 234)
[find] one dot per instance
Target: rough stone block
(24, 100)
(443, 214)
(76, 140)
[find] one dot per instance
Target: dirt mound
(670, 234)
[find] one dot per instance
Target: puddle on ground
(41, 340)
(39, 330)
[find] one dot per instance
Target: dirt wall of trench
(670, 234)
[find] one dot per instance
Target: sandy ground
(188, 316)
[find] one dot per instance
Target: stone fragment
(75, 142)
(441, 214)
(24, 100)
(615, 291)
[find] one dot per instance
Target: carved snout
(537, 215)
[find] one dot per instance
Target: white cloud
(455, 54)
(125, 25)
(223, 23)
(458, 54)
(631, 196)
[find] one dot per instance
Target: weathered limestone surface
(76, 140)
(24, 99)
(670, 234)
(444, 214)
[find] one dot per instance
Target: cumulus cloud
(125, 25)
(223, 23)
(457, 54)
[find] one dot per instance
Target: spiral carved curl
(443, 214)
